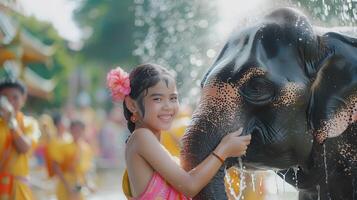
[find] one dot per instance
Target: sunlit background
(85, 38)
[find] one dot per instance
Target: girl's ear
(130, 104)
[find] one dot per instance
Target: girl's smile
(160, 106)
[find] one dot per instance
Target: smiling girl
(150, 105)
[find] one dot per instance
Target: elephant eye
(258, 91)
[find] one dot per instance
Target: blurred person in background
(72, 162)
(111, 139)
(54, 141)
(18, 135)
(90, 118)
(48, 132)
(61, 124)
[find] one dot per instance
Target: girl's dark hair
(141, 78)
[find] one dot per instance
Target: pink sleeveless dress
(159, 189)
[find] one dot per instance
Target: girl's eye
(174, 99)
(157, 99)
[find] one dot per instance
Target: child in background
(17, 139)
(150, 105)
(71, 163)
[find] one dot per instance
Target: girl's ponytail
(127, 115)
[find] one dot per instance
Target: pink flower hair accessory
(118, 83)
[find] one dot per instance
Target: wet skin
(295, 92)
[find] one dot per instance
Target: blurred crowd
(103, 136)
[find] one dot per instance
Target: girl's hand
(233, 145)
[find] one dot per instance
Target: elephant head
(294, 91)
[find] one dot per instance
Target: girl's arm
(188, 183)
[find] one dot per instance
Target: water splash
(284, 182)
(260, 185)
(230, 184)
(326, 171)
(332, 12)
(253, 180)
(276, 181)
(296, 178)
(178, 35)
(242, 184)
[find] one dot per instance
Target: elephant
(295, 91)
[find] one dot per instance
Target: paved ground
(108, 183)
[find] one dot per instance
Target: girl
(150, 105)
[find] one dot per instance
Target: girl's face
(161, 106)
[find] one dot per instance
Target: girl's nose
(167, 105)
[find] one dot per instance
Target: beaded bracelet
(218, 157)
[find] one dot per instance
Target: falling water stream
(253, 180)
(230, 186)
(276, 181)
(296, 178)
(326, 170)
(242, 184)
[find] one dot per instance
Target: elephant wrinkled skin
(295, 92)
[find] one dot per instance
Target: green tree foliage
(60, 66)
(109, 26)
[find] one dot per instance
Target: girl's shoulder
(142, 131)
(141, 135)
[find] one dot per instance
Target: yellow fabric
(170, 139)
(21, 191)
(75, 160)
(57, 147)
(61, 191)
(53, 151)
(18, 163)
(126, 185)
(20, 167)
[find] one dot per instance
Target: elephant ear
(333, 102)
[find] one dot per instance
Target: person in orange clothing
(48, 132)
(71, 162)
(56, 141)
(16, 142)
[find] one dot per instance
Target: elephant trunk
(214, 117)
(197, 145)
(215, 189)
(200, 139)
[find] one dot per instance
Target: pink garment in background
(159, 189)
